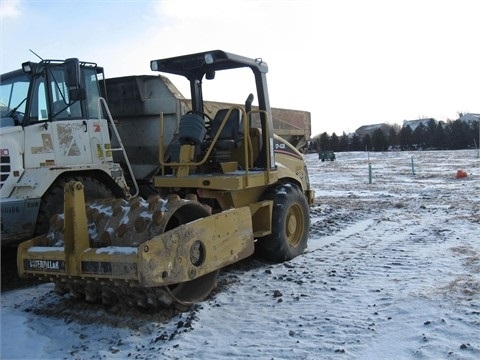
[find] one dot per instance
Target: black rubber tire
(290, 225)
(52, 200)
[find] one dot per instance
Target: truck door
(57, 143)
(57, 135)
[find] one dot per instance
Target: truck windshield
(49, 96)
(13, 95)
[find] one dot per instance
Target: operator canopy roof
(196, 65)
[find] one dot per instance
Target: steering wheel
(17, 116)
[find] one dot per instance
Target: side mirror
(72, 78)
(77, 94)
(72, 73)
(210, 75)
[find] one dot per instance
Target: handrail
(266, 142)
(102, 101)
(247, 145)
(210, 148)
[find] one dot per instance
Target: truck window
(38, 105)
(93, 93)
(61, 107)
(13, 94)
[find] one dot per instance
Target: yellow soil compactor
(223, 190)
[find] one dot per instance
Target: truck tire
(52, 200)
(290, 225)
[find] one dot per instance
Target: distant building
(469, 118)
(370, 129)
(414, 123)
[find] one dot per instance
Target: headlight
(209, 58)
(27, 67)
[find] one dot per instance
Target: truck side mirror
(72, 78)
(210, 75)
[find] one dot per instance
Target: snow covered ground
(392, 271)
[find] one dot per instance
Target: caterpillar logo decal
(282, 148)
(44, 265)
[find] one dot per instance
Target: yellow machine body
(225, 190)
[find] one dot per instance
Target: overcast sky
(349, 62)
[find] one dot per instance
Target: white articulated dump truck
(54, 128)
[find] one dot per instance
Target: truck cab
(52, 128)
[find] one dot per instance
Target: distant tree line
(450, 135)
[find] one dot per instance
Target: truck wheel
(52, 200)
(290, 225)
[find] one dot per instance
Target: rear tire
(290, 225)
(52, 200)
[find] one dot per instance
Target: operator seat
(232, 133)
(229, 139)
